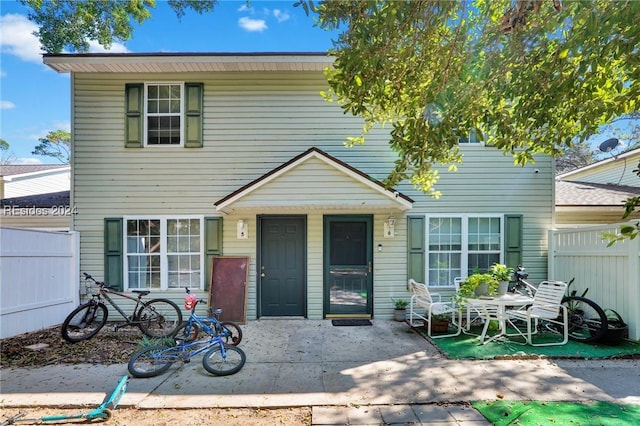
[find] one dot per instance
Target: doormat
(350, 322)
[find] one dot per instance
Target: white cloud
(95, 47)
(245, 8)
(28, 160)
(280, 15)
(7, 105)
(16, 38)
(249, 24)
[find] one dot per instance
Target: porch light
(389, 227)
(242, 230)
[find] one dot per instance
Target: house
(35, 196)
(595, 194)
(181, 157)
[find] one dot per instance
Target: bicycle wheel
(232, 361)
(187, 332)
(152, 361)
(159, 318)
(231, 333)
(587, 320)
(84, 322)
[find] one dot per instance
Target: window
(163, 253)
(163, 114)
(471, 138)
(457, 246)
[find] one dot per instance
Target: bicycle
(155, 317)
(104, 412)
(587, 320)
(219, 359)
(230, 332)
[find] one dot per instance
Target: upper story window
(163, 115)
(471, 138)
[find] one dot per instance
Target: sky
(35, 100)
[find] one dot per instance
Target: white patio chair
(422, 299)
(546, 308)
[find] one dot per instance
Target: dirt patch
(170, 417)
(108, 347)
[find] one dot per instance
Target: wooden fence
(611, 274)
(40, 283)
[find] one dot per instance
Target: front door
(348, 277)
(282, 284)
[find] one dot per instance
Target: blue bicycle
(229, 331)
(219, 359)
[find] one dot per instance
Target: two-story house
(181, 157)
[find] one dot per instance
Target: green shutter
(513, 240)
(213, 244)
(416, 248)
(134, 114)
(113, 256)
(193, 115)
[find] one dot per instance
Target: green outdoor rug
(467, 346)
(501, 413)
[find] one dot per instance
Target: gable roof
(52, 199)
(334, 185)
(23, 169)
(593, 194)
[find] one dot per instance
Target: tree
(575, 156)
(56, 144)
(73, 23)
(6, 156)
(529, 76)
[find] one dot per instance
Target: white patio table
(493, 308)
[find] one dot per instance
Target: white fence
(39, 274)
(612, 274)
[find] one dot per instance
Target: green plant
(468, 286)
(400, 303)
(164, 341)
(441, 317)
(501, 272)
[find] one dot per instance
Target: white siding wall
(37, 183)
(254, 122)
(619, 171)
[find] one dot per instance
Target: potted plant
(439, 323)
(477, 285)
(399, 310)
(503, 274)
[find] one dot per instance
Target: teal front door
(348, 257)
(282, 270)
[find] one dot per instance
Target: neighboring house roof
(570, 193)
(21, 169)
(53, 199)
(335, 184)
(187, 62)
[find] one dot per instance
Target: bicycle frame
(103, 294)
(186, 353)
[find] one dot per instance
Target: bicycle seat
(141, 292)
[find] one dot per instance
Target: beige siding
(616, 171)
(254, 122)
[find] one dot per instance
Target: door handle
(262, 274)
(370, 267)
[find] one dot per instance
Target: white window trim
(146, 115)
(464, 263)
(164, 267)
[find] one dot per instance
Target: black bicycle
(587, 320)
(155, 318)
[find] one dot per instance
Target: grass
(501, 413)
(467, 346)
